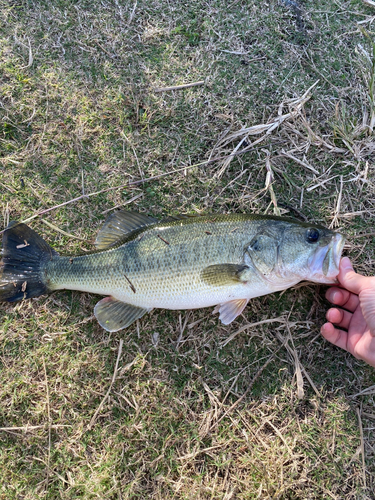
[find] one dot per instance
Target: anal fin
(230, 310)
(114, 315)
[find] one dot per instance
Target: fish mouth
(324, 264)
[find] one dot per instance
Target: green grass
(84, 114)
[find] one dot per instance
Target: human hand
(357, 316)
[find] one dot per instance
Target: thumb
(349, 279)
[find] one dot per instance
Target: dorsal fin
(120, 224)
(171, 218)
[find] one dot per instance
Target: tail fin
(23, 258)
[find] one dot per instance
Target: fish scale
(161, 273)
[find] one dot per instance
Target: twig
(49, 422)
(364, 235)
(132, 287)
(297, 364)
(311, 382)
(6, 215)
(280, 436)
(31, 59)
(240, 53)
(295, 106)
(365, 21)
(311, 188)
(62, 479)
(300, 162)
(104, 49)
(369, 415)
(92, 421)
(269, 181)
(280, 319)
(274, 123)
(362, 448)
(319, 141)
(314, 68)
(338, 205)
(162, 239)
(235, 52)
(123, 204)
(83, 180)
(366, 392)
(182, 329)
(28, 428)
(131, 17)
(179, 87)
(13, 191)
(299, 367)
(52, 226)
(229, 159)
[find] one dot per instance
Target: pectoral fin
(114, 315)
(224, 274)
(230, 310)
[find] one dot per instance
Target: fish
(183, 262)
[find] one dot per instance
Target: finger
(350, 279)
(339, 317)
(367, 299)
(343, 298)
(334, 335)
(366, 349)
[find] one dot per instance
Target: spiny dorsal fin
(230, 310)
(118, 225)
(114, 315)
(171, 218)
(223, 274)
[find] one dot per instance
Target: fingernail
(346, 264)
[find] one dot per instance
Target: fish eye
(312, 235)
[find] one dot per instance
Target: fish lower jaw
(324, 265)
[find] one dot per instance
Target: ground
(178, 405)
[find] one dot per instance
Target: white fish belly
(195, 299)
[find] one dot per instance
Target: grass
(188, 415)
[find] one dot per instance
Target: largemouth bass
(178, 263)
